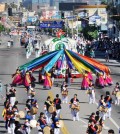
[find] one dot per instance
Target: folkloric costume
(100, 80)
(85, 82)
(115, 92)
(17, 78)
(109, 80)
(57, 104)
(47, 104)
(64, 94)
(74, 105)
(47, 81)
(91, 94)
(27, 80)
(108, 101)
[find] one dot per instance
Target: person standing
(108, 101)
(107, 56)
(64, 94)
(57, 104)
(53, 75)
(47, 104)
(12, 96)
(114, 93)
(91, 94)
(74, 105)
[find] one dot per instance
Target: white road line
(83, 121)
(117, 126)
(111, 119)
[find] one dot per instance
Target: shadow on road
(3, 131)
(67, 119)
(83, 102)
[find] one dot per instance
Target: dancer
(57, 104)
(85, 82)
(17, 78)
(47, 81)
(75, 107)
(64, 94)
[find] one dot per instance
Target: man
(111, 131)
(74, 105)
(57, 103)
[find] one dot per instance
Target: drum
(46, 130)
(65, 93)
(51, 109)
(103, 109)
(76, 107)
(88, 92)
(99, 130)
(33, 123)
(61, 123)
(21, 114)
(34, 110)
(118, 94)
(113, 93)
(17, 118)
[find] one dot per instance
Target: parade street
(11, 58)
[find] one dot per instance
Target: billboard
(2, 7)
(51, 24)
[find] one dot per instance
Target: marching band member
(103, 104)
(34, 104)
(12, 96)
(55, 123)
(47, 104)
(64, 94)
(41, 123)
(92, 129)
(92, 118)
(91, 94)
(28, 116)
(74, 105)
(63, 85)
(47, 81)
(27, 126)
(85, 82)
(99, 120)
(108, 101)
(57, 104)
(116, 89)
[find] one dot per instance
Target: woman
(17, 78)
(47, 81)
(65, 94)
(85, 82)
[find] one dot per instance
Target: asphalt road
(11, 58)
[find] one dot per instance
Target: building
(27, 4)
(96, 14)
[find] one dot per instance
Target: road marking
(117, 126)
(83, 121)
(112, 120)
(64, 129)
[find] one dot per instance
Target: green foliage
(1, 28)
(90, 32)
